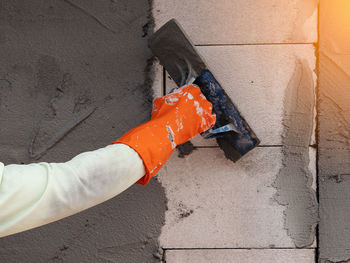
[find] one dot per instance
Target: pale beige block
(241, 256)
(158, 81)
(256, 78)
(214, 203)
(242, 21)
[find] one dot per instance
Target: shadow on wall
(73, 78)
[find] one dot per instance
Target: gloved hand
(176, 118)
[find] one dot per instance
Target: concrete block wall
(219, 211)
(241, 255)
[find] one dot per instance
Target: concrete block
(256, 78)
(241, 256)
(157, 79)
(214, 203)
(242, 21)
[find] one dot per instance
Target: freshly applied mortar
(294, 180)
(72, 79)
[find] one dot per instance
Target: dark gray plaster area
(74, 76)
(294, 180)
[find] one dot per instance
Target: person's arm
(36, 194)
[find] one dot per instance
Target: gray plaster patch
(294, 180)
(74, 76)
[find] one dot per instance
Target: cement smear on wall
(72, 79)
(294, 181)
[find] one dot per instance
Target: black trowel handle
(238, 142)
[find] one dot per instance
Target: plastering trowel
(179, 57)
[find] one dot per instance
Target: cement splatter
(294, 180)
(184, 211)
(171, 136)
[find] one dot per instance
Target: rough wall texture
(334, 131)
(72, 79)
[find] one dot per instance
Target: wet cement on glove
(74, 76)
(185, 149)
(294, 180)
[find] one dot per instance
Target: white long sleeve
(36, 194)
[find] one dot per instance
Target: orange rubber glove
(176, 118)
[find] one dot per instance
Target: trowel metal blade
(176, 53)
